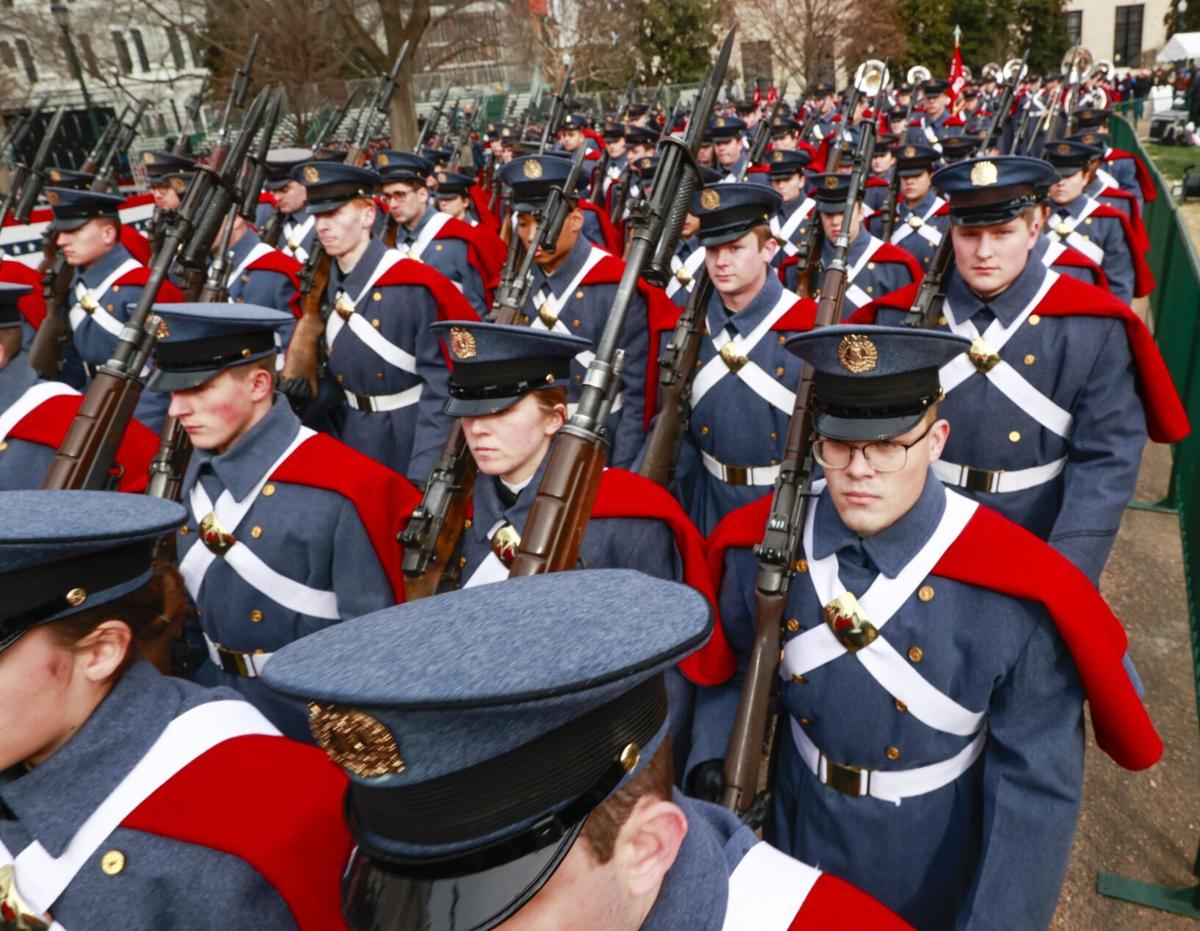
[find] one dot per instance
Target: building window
(7, 58)
(756, 61)
(122, 52)
(176, 49)
(89, 56)
(143, 58)
(1074, 27)
(27, 61)
(1127, 35)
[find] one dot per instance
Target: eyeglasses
(881, 455)
(401, 194)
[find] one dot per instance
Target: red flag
(957, 80)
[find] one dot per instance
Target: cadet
(108, 281)
(168, 175)
(743, 391)
(581, 828)
(618, 157)
(726, 133)
(381, 355)
(921, 216)
(289, 530)
(1100, 232)
(790, 225)
(572, 292)
(35, 415)
(956, 148)
(259, 274)
(936, 121)
(421, 232)
(1125, 169)
(29, 301)
(297, 232)
(114, 777)
(883, 168)
(453, 196)
(573, 134)
(901, 747)
(1053, 402)
(873, 267)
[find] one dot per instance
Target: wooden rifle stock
(302, 358)
(170, 462)
(46, 350)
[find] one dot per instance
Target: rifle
(86, 455)
(256, 164)
(893, 196)
(1003, 113)
(15, 134)
(596, 195)
(782, 541)
(677, 363)
(92, 160)
(435, 528)
(335, 120)
(105, 173)
(28, 181)
(558, 519)
(431, 123)
(193, 114)
(557, 109)
(301, 362)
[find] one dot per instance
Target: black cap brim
(68, 224)
(478, 407)
(379, 897)
(164, 382)
(864, 428)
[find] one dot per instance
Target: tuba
(1076, 63)
(870, 76)
(1011, 67)
(991, 71)
(918, 74)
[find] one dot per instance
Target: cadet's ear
(648, 843)
(100, 654)
(938, 434)
(575, 219)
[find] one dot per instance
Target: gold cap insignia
(779, 156)
(55, 174)
(831, 182)
(441, 177)
(532, 169)
(462, 343)
(1089, 139)
(984, 174)
(52, 197)
(1063, 149)
(720, 121)
(778, 121)
(857, 354)
(161, 330)
(710, 199)
(148, 158)
(312, 174)
(382, 160)
(355, 740)
(909, 151)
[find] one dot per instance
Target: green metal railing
(1175, 317)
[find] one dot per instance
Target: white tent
(1183, 45)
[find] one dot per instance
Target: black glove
(706, 781)
(298, 392)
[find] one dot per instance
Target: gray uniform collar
(242, 247)
(892, 548)
(490, 510)
(922, 207)
(353, 281)
(563, 275)
(1007, 305)
(1074, 208)
(415, 230)
(746, 319)
(53, 800)
(241, 468)
(15, 379)
(697, 884)
(104, 266)
(858, 245)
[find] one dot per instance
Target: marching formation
(819, 416)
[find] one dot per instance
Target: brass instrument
(918, 74)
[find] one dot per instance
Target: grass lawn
(1173, 159)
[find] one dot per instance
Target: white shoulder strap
(34, 397)
(767, 890)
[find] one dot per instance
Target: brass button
(375, 322)
(109, 308)
(801, 565)
(462, 562)
(256, 531)
(437, 247)
(3, 445)
(575, 323)
(774, 435)
(804, 722)
(779, 370)
(793, 625)
(900, 706)
(259, 652)
(916, 654)
(1030, 359)
(1088, 221)
(184, 530)
(941, 321)
(379, 376)
(341, 379)
(799, 679)
(377, 296)
(467, 524)
(116, 289)
(578, 378)
(1034, 319)
(1014, 436)
(871, 266)
(892, 753)
(268, 489)
(782, 340)
(704, 431)
(579, 295)
(245, 279)
(925, 593)
(76, 597)
(112, 863)
(870, 289)
(256, 615)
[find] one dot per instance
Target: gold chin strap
(15, 913)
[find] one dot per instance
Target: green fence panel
(1174, 308)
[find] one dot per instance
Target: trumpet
(918, 74)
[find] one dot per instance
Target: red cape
(612, 236)
(276, 261)
(272, 802)
(624, 494)
(485, 251)
(833, 904)
(984, 555)
(1166, 419)
(451, 305)
(135, 244)
(33, 305)
(383, 499)
(138, 277)
(885, 253)
(49, 422)
(487, 219)
(1143, 280)
(1145, 182)
(1134, 212)
(658, 307)
(1073, 258)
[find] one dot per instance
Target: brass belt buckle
(215, 536)
(365, 402)
(737, 475)
(980, 479)
(845, 779)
